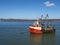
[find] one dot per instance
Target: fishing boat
(39, 27)
(36, 28)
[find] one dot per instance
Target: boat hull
(40, 30)
(32, 30)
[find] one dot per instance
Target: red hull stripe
(35, 30)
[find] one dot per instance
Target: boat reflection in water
(35, 38)
(42, 39)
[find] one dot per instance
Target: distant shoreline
(28, 20)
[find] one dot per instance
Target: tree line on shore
(31, 20)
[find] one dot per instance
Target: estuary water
(17, 33)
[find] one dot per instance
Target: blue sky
(29, 9)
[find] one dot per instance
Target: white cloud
(49, 4)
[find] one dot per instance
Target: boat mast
(37, 20)
(46, 19)
(41, 18)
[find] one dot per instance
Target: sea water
(17, 33)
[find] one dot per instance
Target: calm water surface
(17, 33)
